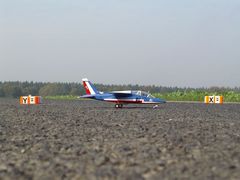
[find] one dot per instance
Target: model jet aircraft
(119, 97)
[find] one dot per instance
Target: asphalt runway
(93, 140)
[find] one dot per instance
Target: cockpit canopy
(143, 93)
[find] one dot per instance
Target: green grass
(229, 96)
(61, 97)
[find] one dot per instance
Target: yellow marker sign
(213, 99)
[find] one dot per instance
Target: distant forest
(17, 89)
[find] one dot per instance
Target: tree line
(17, 89)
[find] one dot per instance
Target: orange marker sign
(30, 99)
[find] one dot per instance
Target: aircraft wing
(120, 92)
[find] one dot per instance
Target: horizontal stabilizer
(87, 96)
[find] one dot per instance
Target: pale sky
(182, 43)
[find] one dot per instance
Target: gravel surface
(93, 140)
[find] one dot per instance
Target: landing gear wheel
(118, 105)
(156, 106)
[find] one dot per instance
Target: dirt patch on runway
(93, 140)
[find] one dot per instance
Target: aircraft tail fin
(89, 87)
